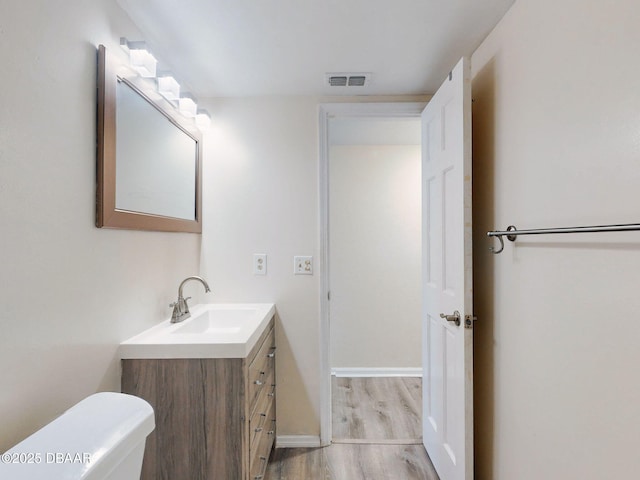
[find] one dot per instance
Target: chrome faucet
(180, 307)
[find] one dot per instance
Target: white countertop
(214, 330)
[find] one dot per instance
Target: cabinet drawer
(258, 419)
(261, 446)
(261, 368)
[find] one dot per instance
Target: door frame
(325, 112)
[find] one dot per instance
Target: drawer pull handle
(270, 432)
(263, 414)
(270, 394)
(258, 430)
(258, 382)
(271, 355)
(263, 458)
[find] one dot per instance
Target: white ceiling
(285, 47)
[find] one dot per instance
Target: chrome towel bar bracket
(512, 232)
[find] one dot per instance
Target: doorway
(370, 224)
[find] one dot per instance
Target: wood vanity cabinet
(215, 417)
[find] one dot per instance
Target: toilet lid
(85, 443)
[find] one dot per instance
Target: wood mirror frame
(110, 71)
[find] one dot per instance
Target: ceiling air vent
(357, 81)
(348, 79)
(338, 81)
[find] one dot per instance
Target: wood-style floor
(377, 409)
(377, 436)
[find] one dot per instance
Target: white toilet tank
(100, 438)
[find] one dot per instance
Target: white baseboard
(297, 441)
(376, 372)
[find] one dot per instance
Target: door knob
(455, 318)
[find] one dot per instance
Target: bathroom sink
(214, 330)
(217, 320)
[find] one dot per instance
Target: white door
(447, 277)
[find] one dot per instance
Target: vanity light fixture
(203, 120)
(168, 87)
(144, 63)
(187, 105)
(141, 60)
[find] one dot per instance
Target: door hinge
(468, 321)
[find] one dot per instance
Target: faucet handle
(171, 305)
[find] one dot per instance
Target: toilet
(100, 438)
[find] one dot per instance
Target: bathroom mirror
(149, 157)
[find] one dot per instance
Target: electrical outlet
(302, 265)
(259, 263)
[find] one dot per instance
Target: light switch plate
(259, 263)
(302, 265)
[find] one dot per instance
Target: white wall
(375, 251)
(556, 119)
(261, 196)
(69, 292)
